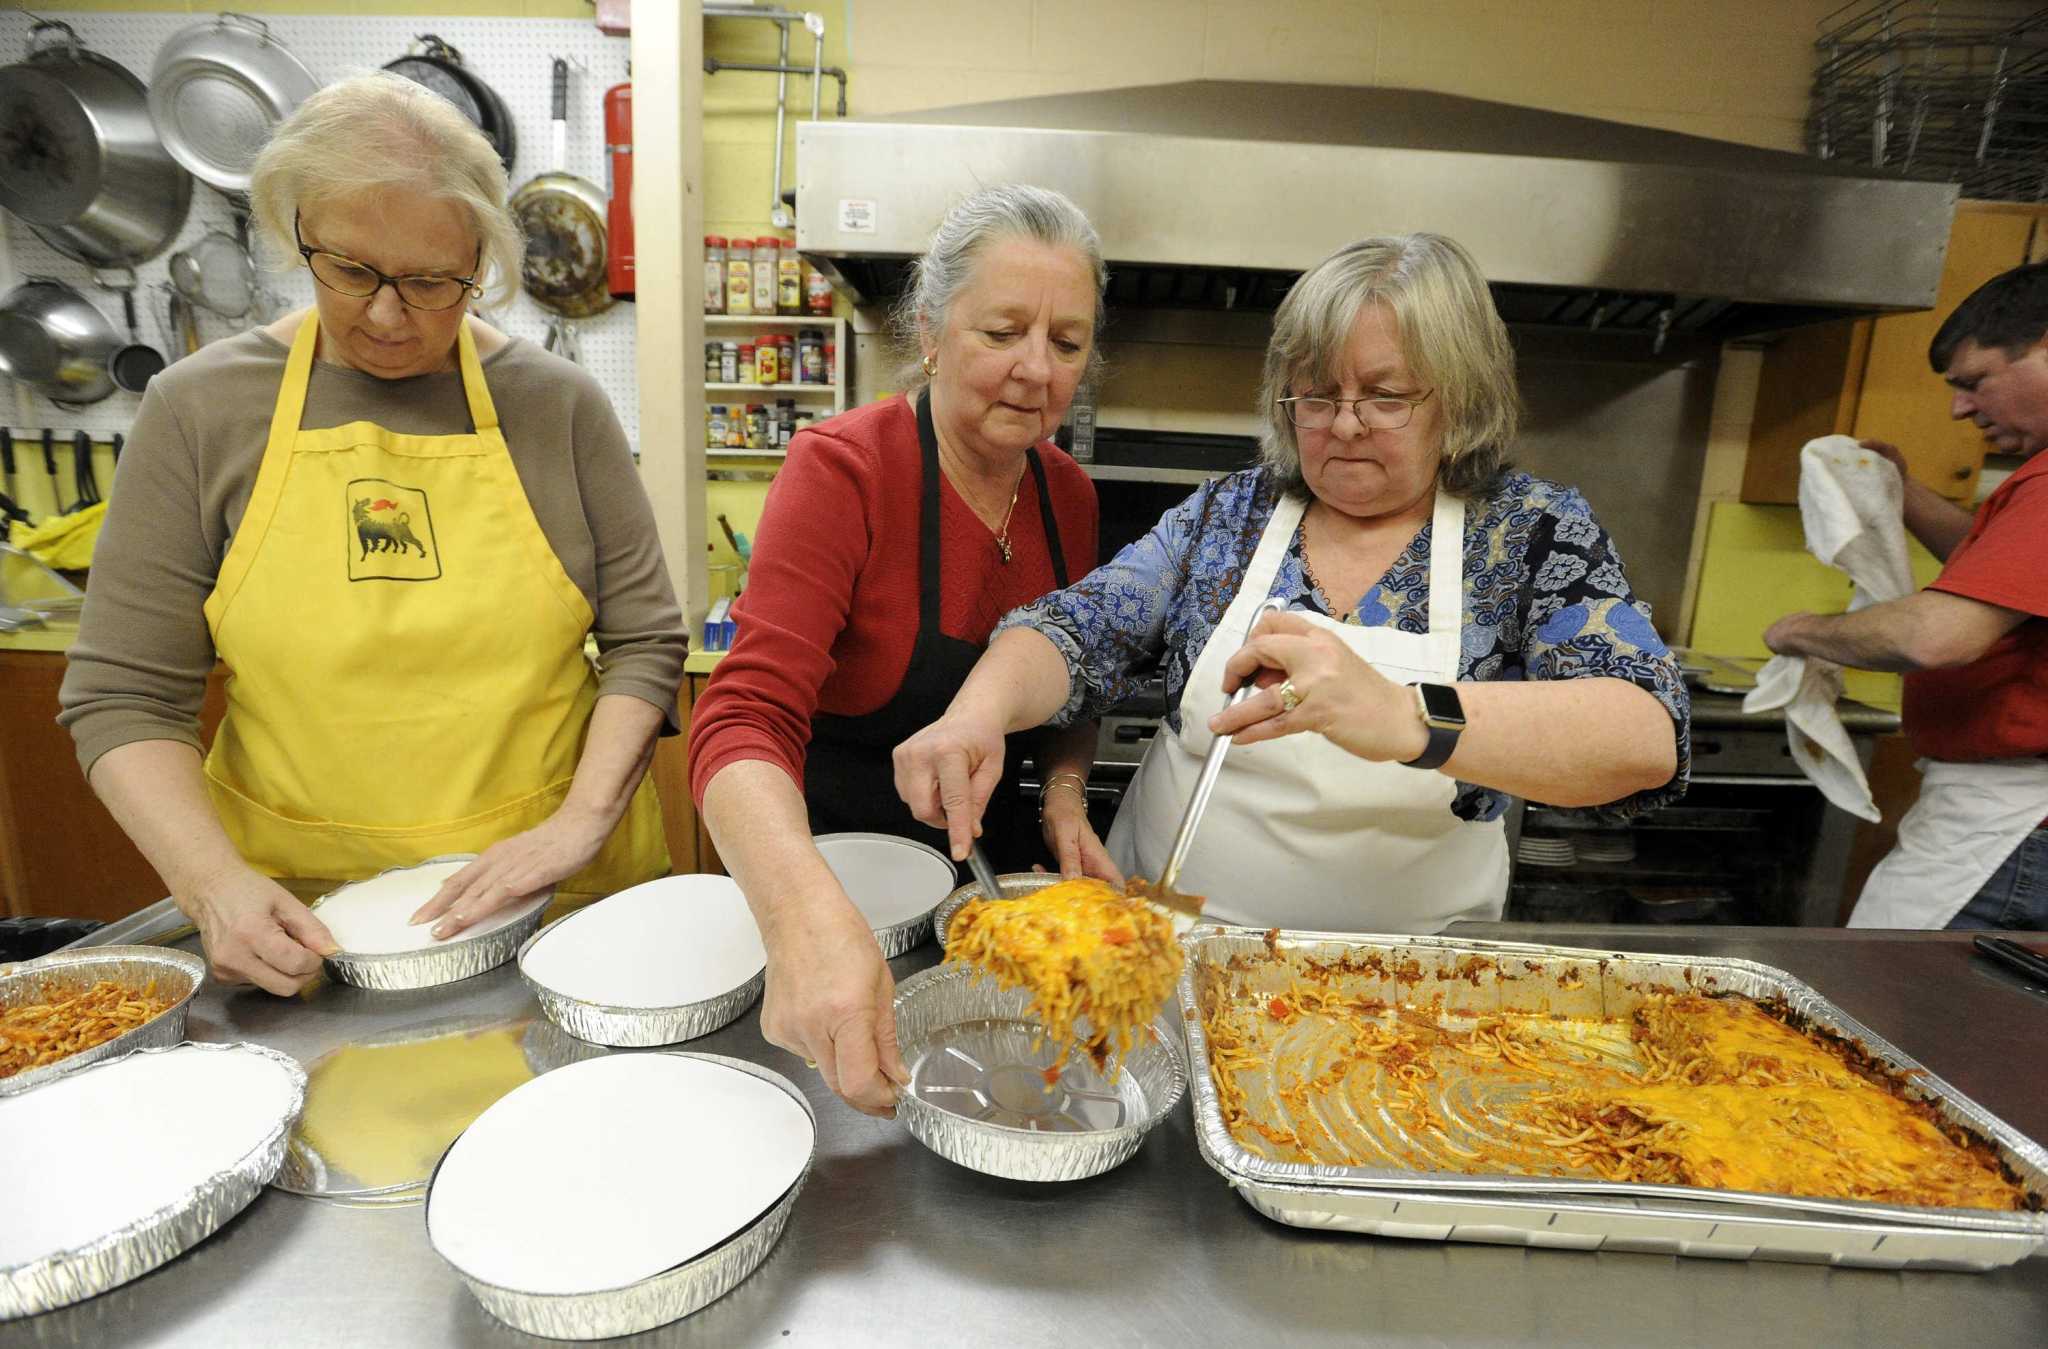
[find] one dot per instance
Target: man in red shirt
(1973, 851)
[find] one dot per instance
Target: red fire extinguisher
(618, 138)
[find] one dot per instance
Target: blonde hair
(378, 131)
(1449, 333)
(1006, 211)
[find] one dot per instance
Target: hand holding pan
(564, 220)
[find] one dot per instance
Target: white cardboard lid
(890, 880)
(610, 1171)
(369, 918)
(109, 1145)
(667, 943)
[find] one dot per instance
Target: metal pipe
(816, 23)
(777, 212)
(712, 65)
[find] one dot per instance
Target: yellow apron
(406, 674)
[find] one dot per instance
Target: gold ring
(1290, 697)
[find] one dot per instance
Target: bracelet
(1073, 780)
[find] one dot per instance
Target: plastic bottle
(747, 359)
(767, 360)
(785, 357)
(729, 361)
(817, 291)
(789, 280)
(739, 277)
(810, 356)
(767, 255)
(714, 274)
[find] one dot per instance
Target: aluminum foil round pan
(138, 1247)
(625, 1026)
(670, 1295)
(1014, 883)
(460, 957)
(896, 883)
(978, 1093)
(548, 1047)
(176, 974)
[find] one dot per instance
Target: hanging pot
(564, 220)
(55, 341)
(218, 90)
(438, 66)
(79, 158)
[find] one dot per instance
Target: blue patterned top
(1545, 598)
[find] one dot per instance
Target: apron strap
(928, 519)
(483, 413)
(291, 393)
(1447, 566)
(1045, 517)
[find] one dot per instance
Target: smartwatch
(1443, 716)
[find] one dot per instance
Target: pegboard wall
(512, 55)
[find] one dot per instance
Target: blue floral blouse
(1545, 598)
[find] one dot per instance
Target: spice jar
(831, 362)
(729, 361)
(739, 277)
(767, 252)
(747, 359)
(767, 360)
(817, 291)
(714, 361)
(714, 274)
(756, 427)
(810, 357)
(789, 280)
(785, 356)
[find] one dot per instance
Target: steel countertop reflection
(1157, 1251)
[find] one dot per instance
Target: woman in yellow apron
(401, 599)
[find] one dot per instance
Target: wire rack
(1940, 90)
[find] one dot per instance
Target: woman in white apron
(1490, 644)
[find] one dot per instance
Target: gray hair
(378, 131)
(1449, 333)
(1006, 211)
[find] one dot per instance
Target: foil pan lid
(371, 918)
(668, 943)
(121, 1149)
(695, 1150)
(892, 881)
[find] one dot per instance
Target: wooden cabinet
(689, 844)
(1869, 377)
(61, 854)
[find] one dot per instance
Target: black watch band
(1443, 717)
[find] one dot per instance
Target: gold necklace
(1003, 536)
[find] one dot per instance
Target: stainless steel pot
(55, 341)
(217, 90)
(83, 165)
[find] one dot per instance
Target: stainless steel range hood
(1217, 194)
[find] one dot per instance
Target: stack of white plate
(1536, 850)
(621, 1193)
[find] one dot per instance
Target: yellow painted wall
(1756, 570)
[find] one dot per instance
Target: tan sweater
(138, 669)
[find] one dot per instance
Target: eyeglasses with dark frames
(358, 280)
(1378, 411)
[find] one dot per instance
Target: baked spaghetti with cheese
(35, 1034)
(1096, 962)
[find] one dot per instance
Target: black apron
(850, 774)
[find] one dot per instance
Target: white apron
(1300, 833)
(1968, 820)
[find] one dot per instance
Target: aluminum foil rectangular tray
(670, 1295)
(177, 974)
(1480, 977)
(133, 1251)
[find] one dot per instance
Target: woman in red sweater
(894, 538)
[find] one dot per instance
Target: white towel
(1851, 504)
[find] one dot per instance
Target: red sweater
(830, 610)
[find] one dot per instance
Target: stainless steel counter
(889, 1244)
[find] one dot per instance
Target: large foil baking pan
(897, 939)
(177, 973)
(670, 1295)
(637, 1027)
(976, 1048)
(1480, 977)
(1015, 885)
(460, 957)
(132, 1251)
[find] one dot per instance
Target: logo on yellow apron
(391, 533)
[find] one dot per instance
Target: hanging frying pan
(79, 158)
(438, 66)
(218, 90)
(564, 220)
